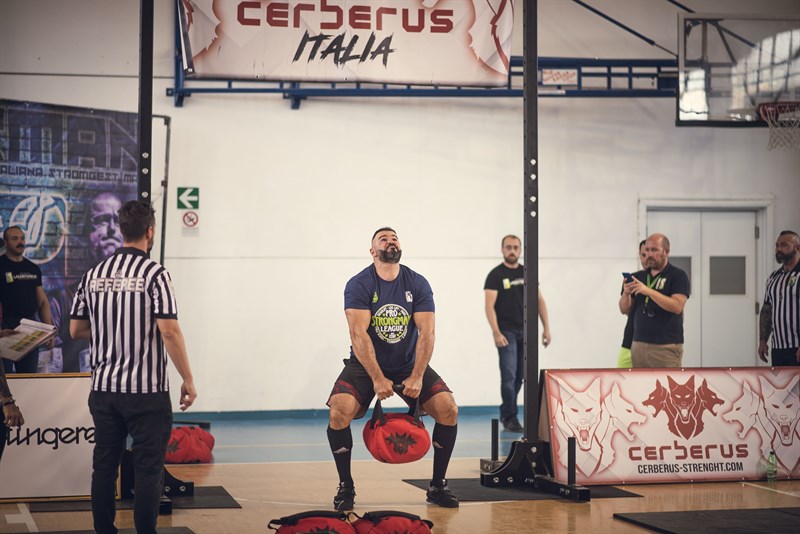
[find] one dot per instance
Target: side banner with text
(51, 454)
(449, 42)
(64, 173)
(644, 425)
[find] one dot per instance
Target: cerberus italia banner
(450, 42)
(664, 425)
(64, 173)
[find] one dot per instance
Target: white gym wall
(290, 198)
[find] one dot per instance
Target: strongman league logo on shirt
(391, 323)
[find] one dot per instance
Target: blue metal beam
(610, 78)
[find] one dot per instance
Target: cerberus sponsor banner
(451, 42)
(51, 454)
(665, 425)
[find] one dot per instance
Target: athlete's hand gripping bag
(313, 521)
(396, 438)
(391, 522)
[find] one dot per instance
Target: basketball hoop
(783, 119)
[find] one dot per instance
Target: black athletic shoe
(442, 496)
(513, 425)
(346, 496)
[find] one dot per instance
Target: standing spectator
(125, 305)
(780, 314)
(656, 297)
(504, 296)
(21, 295)
(624, 358)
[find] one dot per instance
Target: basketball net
(783, 119)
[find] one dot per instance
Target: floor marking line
(24, 517)
(795, 494)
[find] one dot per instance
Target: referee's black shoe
(440, 494)
(346, 496)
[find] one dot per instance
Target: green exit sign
(188, 198)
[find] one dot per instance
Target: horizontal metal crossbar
(582, 77)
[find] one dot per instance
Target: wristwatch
(8, 401)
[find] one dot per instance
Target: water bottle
(772, 467)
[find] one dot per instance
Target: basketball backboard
(728, 65)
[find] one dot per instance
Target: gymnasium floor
(281, 465)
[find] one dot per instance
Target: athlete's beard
(782, 258)
(511, 260)
(390, 255)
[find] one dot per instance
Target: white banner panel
(663, 425)
(51, 454)
(449, 42)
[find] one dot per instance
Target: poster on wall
(663, 425)
(64, 173)
(448, 42)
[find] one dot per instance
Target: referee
(126, 307)
(780, 315)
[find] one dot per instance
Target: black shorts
(354, 380)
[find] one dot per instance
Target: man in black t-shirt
(21, 294)
(504, 298)
(655, 298)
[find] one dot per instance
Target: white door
(717, 249)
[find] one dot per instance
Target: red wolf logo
(684, 405)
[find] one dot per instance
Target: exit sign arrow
(188, 198)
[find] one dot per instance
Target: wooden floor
(272, 490)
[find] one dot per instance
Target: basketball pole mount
(528, 460)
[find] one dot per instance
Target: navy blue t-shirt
(392, 305)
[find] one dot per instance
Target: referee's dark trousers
(147, 417)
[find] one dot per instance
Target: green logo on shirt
(391, 323)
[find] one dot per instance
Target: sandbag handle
(295, 518)
(378, 414)
(377, 516)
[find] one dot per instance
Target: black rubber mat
(161, 530)
(470, 489)
(204, 497)
(753, 521)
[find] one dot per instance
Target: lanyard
(650, 285)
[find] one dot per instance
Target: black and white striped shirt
(783, 294)
(122, 297)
